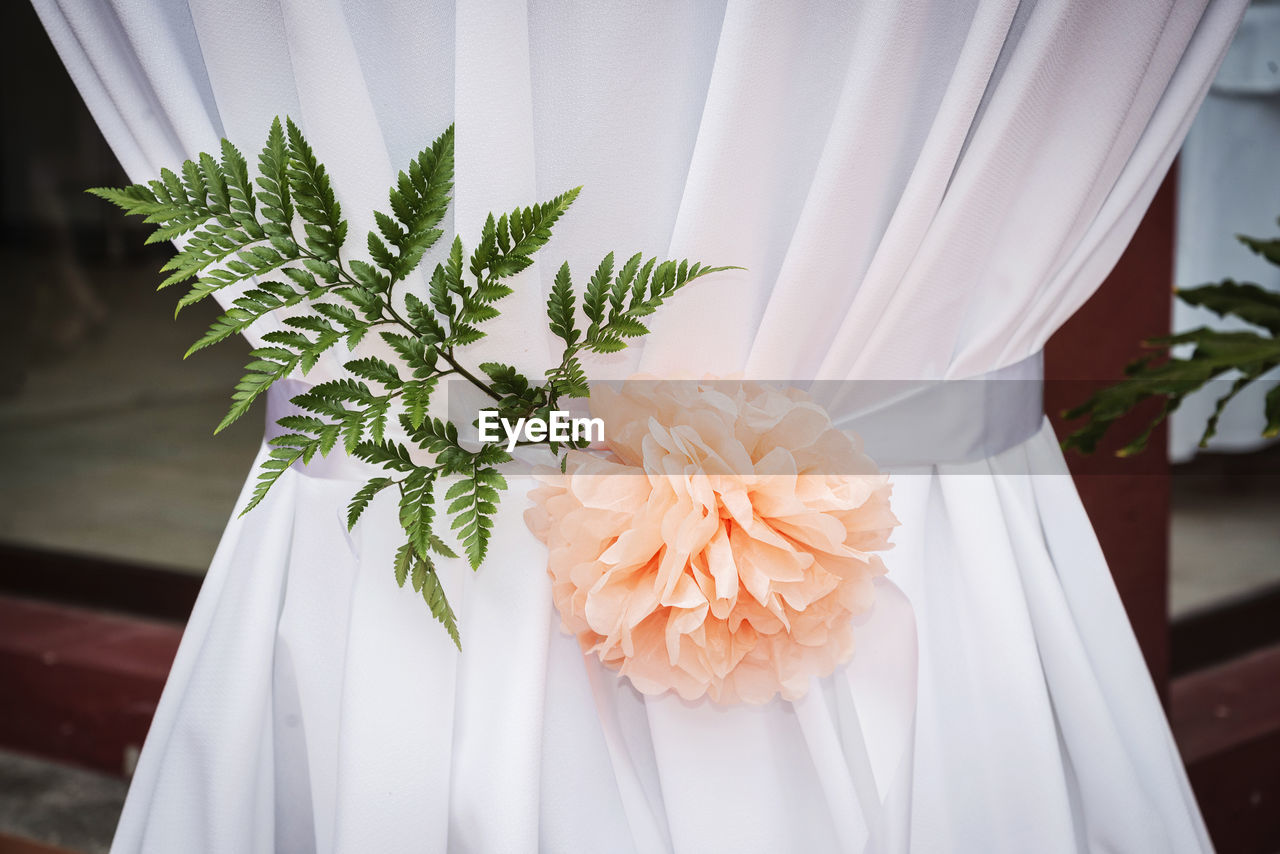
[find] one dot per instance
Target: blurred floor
(108, 448)
(1224, 531)
(57, 804)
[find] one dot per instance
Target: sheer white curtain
(917, 190)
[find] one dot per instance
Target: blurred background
(114, 491)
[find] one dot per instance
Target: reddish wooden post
(1127, 499)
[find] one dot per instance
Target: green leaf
(314, 198)
(419, 200)
(569, 379)
(387, 454)
(416, 399)
(505, 379)
(377, 370)
(286, 450)
(1246, 301)
(598, 289)
(419, 576)
(235, 175)
(1271, 409)
(273, 182)
(370, 277)
(560, 307)
(362, 498)
(439, 546)
(433, 593)
(1268, 249)
(138, 200)
(627, 326)
(1211, 427)
(528, 230)
(474, 505)
(649, 286)
(422, 319)
(1216, 353)
(441, 300)
(404, 559)
(247, 309)
(215, 184)
(267, 367)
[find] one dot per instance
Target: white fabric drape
(1228, 184)
(917, 190)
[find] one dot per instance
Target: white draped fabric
(917, 190)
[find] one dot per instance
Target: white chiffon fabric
(919, 190)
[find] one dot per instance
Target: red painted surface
(1127, 499)
(1227, 722)
(79, 685)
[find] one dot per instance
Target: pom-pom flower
(723, 545)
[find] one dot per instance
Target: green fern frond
(278, 238)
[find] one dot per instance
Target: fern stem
(447, 355)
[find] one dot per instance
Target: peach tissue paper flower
(723, 544)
